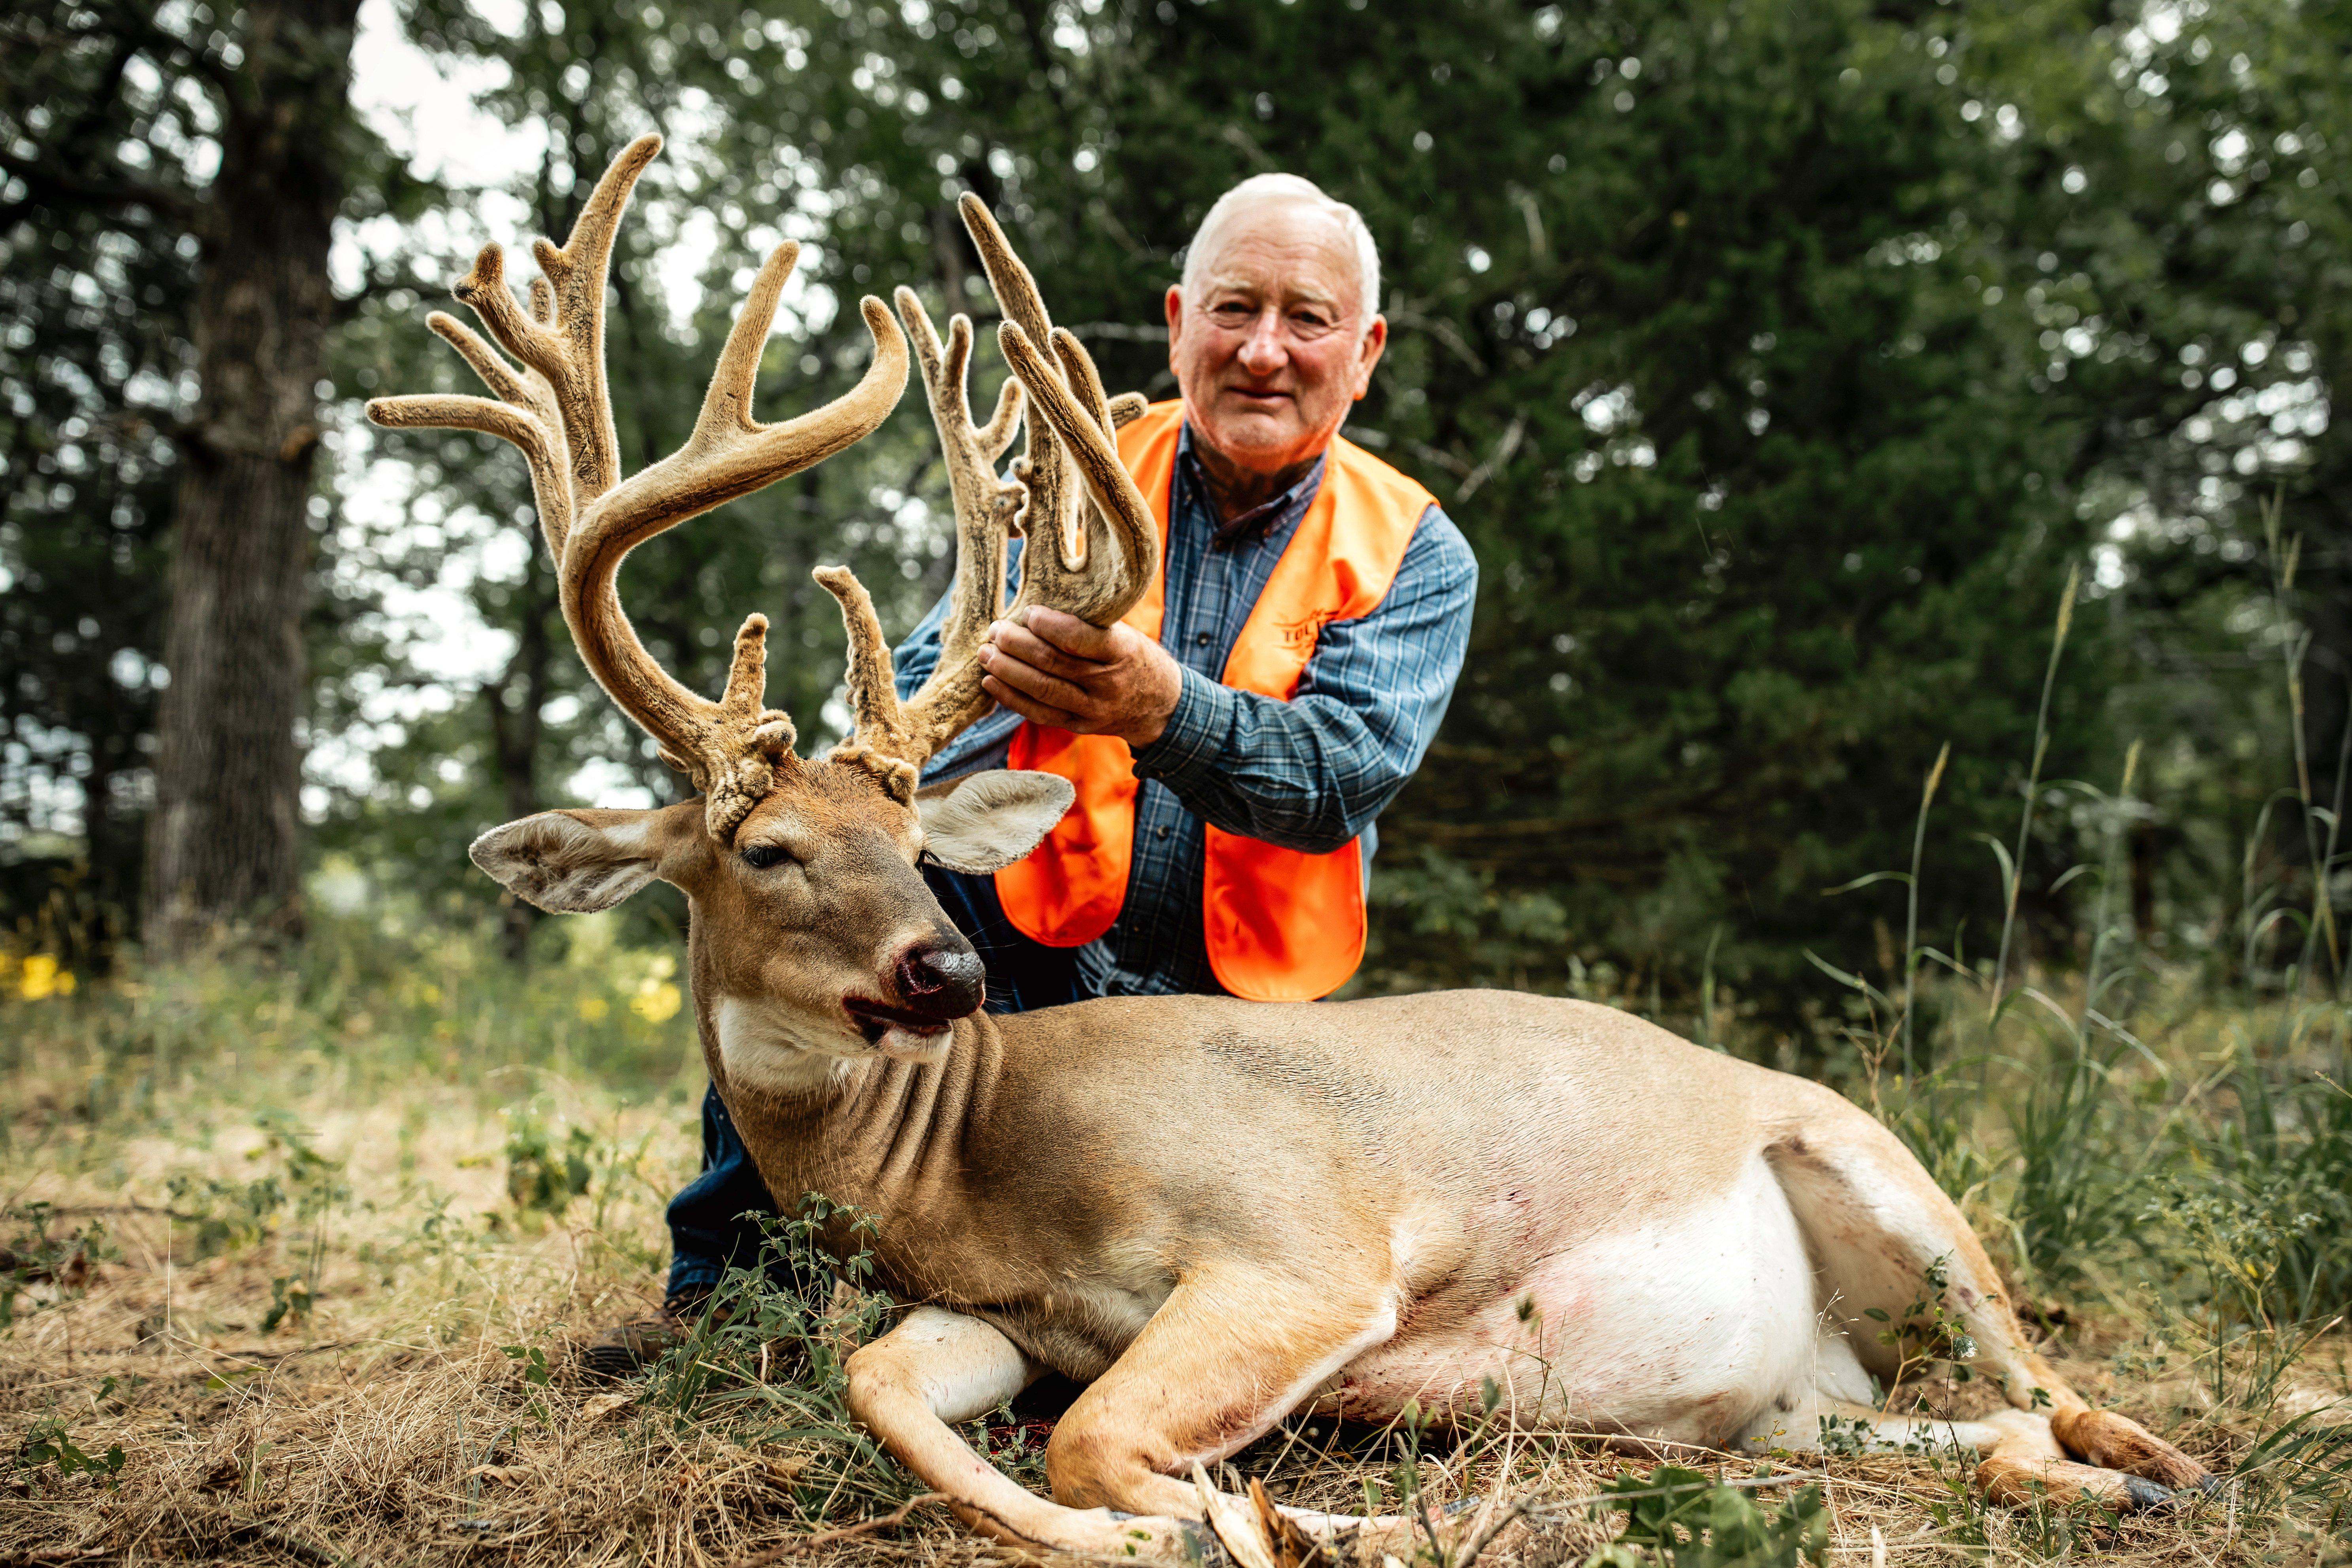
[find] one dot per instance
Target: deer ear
(576, 862)
(985, 821)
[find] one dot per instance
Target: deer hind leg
(939, 1367)
(2021, 1457)
(1883, 1235)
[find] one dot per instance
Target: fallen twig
(1495, 1527)
(847, 1532)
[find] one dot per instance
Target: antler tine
(881, 737)
(1113, 577)
(1049, 514)
(1008, 275)
(541, 449)
(563, 337)
(524, 414)
(952, 698)
(1085, 381)
(995, 435)
(729, 454)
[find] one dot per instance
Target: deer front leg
(939, 1367)
(1226, 1356)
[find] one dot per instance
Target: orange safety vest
(1282, 925)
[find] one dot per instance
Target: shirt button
(1201, 638)
(1161, 830)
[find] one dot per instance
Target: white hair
(1286, 187)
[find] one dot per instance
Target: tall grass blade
(2100, 934)
(2032, 788)
(1911, 913)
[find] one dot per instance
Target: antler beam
(558, 410)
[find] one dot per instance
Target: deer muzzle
(936, 984)
(939, 982)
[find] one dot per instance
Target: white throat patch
(766, 1049)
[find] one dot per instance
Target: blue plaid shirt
(1308, 775)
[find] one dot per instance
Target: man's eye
(760, 857)
(1231, 312)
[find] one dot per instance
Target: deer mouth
(876, 1019)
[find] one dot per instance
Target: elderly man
(1234, 739)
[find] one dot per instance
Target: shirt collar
(1254, 523)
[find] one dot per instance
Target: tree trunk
(221, 846)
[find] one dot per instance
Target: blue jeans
(714, 1222)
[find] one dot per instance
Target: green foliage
(117, 122)
(48, 1443)
(1928, 1330)
(97, 299)
(766, 1360)
(228, 1216)
(2264, 1198)
(546, 1167)
(2071, 1189)
(809, 1296)
(37, 1255)
(1679, 1518)
(288, 1298)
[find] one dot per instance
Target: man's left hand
(1053, 668)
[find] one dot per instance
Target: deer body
(1215, 1212)
(1455, 1152)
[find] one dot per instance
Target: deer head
(813, 939)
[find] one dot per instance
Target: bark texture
(222, 848)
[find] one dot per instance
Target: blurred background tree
(1778, 363)
(180, 173)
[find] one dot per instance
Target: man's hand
(1053, 668)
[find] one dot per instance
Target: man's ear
(577, 862)
(985, 821)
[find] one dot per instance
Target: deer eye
(760, 857)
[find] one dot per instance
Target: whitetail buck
(1215, 1212)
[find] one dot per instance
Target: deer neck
(884, 1135)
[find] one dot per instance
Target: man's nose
(1262, 351)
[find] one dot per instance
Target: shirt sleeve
(912, 661)
(981, 744)
(1312, 772)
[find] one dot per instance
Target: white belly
(1681, 1330)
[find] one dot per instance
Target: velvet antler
(556, 408)
(1093, 560)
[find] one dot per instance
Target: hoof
(2146, 1494)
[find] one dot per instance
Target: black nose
(942, 981)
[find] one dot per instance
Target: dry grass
(399, 1419)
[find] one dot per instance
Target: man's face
(1275, 347)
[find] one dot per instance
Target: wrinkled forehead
(1284, 244)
